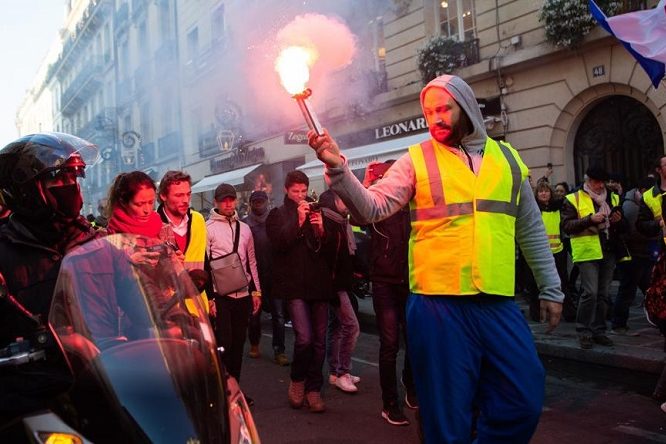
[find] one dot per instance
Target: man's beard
(450, 138)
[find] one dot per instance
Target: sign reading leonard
(401, 127)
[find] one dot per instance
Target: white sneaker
(663, 407)
(333, 377)
(345, 383)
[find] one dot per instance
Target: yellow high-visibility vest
(463, 225)
(551, 221)
(195, 254)
(586, 245)
(652, 199)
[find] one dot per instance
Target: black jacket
(389, 246)
(262, 251)
(300, 266)
(339, 259)
(30, 269)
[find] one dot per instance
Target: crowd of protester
(298, 261)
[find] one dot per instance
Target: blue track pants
(472, 353)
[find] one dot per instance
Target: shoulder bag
(227, 271)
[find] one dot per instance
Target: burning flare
(293, 64)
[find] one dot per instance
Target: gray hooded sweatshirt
(397, 188)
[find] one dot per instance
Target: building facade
(167, 84)
(568, 108)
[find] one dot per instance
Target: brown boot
(296, 394)
(254, 351)
(315, 402)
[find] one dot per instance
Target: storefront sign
(400, 128)
(296, 137)
(238, 158)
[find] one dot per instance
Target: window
(192, 44)
(167, 114)
(457, 19)
(124, 59)
(143, 40)
(217, 24)
(107, 43)
(165, 19)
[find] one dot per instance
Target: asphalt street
(582, 405)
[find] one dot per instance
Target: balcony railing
(169, 145)
(85, 83)
(469, 54)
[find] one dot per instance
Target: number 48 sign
(598, 71)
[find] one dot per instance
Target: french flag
(643, 33)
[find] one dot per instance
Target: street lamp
(130, 152)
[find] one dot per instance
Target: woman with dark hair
(343, 323)
(132, 206)
(550, 206)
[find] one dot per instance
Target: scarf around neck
(600, 200)
(121, 222)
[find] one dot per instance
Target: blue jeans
(309, 320)
(343, 331)
(389, 301)
(474, 351)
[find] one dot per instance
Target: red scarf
(121, 222)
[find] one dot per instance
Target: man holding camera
(302, 277)
(593, 218)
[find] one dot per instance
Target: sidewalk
(640, 350)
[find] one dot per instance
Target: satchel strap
(236, 237)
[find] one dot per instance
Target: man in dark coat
(302, 277)
(256, 219)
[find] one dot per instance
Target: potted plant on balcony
(567, 22)
(440, 55)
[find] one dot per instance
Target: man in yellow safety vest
(593, 218)
(468, 342)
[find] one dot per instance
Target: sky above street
(27, 30)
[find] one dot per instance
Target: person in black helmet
(39, 183)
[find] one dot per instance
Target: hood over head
(462, 93)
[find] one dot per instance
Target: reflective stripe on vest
(551, 221)
(653, 198)
(463, 225)
(586, 245)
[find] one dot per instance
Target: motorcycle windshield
(139, 343)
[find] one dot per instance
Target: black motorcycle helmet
(25, 162)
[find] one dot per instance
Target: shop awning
(235, 177)
(359, 157)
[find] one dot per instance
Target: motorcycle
(139, 354)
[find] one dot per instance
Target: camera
(314, 206)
